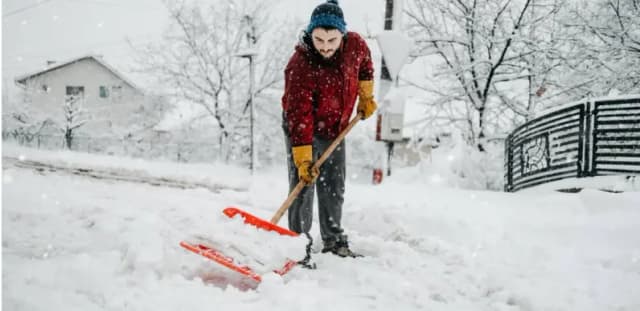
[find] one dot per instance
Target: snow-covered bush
(472, 169)
(457, 164)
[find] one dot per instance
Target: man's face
(325, 41)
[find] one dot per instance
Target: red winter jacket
(319, 94)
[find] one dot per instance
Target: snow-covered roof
(23, 78)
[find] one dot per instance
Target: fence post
(589, 136)
(582, 140)
(593, 144)
(507, 150)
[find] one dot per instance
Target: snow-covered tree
(604, 55)
(74, 117)
(198, 62)
(21, 119)
(487, 58)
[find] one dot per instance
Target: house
(106, 96)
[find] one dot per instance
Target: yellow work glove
(366, 104)
(302, 158)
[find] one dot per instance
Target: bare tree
(21, 119)
(487, 56)
(74, 117)
(198, 61)
(605, 47)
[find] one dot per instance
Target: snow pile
(263, 251)
(472, 169)
(459, 165)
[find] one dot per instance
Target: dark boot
(340, 248)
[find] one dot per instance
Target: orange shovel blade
(256, 221)
(217, 256)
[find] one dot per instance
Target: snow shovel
(272, 225)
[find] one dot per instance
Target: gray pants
(330, 187)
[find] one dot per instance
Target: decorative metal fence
(591, 138)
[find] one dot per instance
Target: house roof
(23, 78)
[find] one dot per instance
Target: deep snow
(78, 243)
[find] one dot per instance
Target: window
(104, 91)
(75, 90)
(116, 92)
(46, 88)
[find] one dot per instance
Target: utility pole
(250, 53)
(385, 76)
(254, 161)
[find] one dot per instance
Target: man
(329, 69)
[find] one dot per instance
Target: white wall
(103, 113)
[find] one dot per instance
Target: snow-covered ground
(73, 242)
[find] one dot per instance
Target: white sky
(64, 29)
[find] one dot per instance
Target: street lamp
(250, 54)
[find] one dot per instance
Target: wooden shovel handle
(294, 193)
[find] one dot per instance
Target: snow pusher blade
(257, 221)
(215, 255)
(272, 225)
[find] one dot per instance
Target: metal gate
(590, 138)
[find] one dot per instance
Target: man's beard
(328, 54)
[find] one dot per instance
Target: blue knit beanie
(328, 14)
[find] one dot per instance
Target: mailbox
(391, 117)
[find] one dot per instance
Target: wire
(16, 11)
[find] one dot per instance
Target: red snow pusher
(227, 261)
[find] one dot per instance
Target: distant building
(106, 95)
